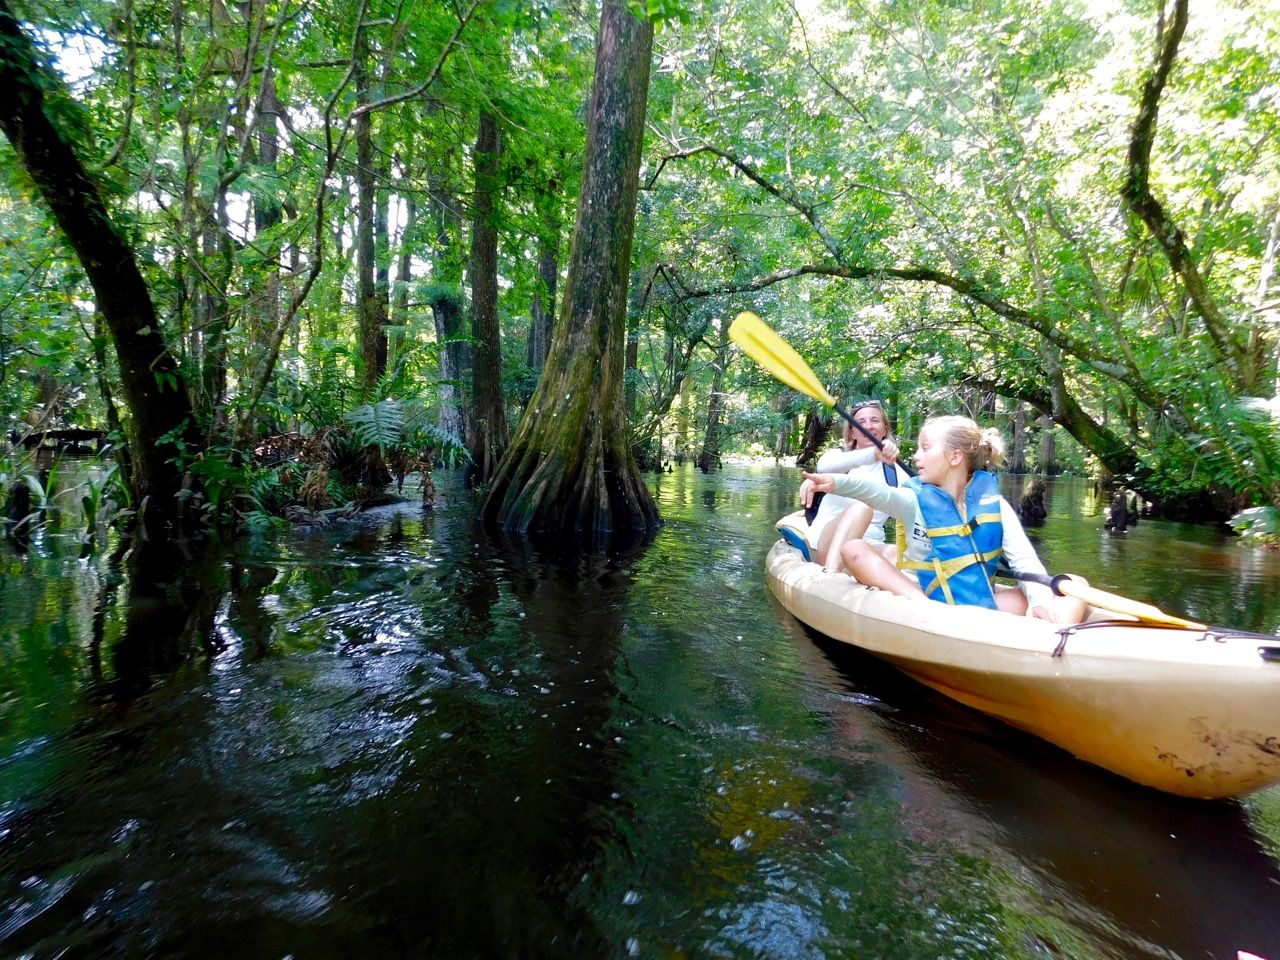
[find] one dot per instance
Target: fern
(378, 424)
(448, 448)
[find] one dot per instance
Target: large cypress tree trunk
(152, 385)
(569, 468)
(488, 434)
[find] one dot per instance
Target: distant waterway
(397, 736)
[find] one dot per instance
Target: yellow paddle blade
(1119, 604)
(773, 353)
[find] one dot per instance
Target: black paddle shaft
(811, 511)
(869, 435)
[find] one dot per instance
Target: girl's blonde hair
(982, 449)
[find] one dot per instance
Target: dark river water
(398, 737)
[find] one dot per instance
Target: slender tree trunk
(154, 391)
(114, 425)
(570, 468)
(489, 435)
(710, 454)
(544, 296)
(781, 436)
(1018, 461)
(370, 308)
(213, 319)
(682, 418)
(1138, 196)
(630, 363)
(267, 214)
(404, 271)
(1048, 448)
(382, 263)
(446, 304)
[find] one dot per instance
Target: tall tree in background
(570, 467)
(488, 433)
(371, 304)
(543, 308)
(153, 388)
(446, 297)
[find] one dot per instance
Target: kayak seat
(792, 529)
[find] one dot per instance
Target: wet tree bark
(152, 385)
(569, 470)
(488, 434)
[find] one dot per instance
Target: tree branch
(1137, 195)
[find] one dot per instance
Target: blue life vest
(966, 546)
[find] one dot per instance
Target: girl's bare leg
(850, 525)
(1011, 600)
(869, 566)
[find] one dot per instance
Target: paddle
(758, 341)
(763, 345)
(1064, 586)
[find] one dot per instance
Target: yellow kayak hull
(1167, 708)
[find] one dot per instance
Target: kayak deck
(1172, 709)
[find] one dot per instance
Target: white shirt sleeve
(837, 460)
(897, 502)
(1021, 556)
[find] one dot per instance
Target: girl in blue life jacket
(959, 527)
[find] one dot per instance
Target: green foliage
(985, 143)
(1258, 525)
(378, 424)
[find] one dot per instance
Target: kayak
(1193, 713)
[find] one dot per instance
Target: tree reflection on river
(398, 736)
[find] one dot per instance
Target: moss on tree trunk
(569, 468)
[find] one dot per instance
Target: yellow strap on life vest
(963, 528)
(945, 570)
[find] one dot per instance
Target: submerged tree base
(592, 493)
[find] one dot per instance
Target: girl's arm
(897, 502)
(1021, 557)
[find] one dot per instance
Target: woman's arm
(837, 460)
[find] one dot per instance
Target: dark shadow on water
(1189, 876)
(444, 795)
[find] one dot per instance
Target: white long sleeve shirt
(858, 463)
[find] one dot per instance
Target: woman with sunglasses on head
(959, 526)
(841, 519)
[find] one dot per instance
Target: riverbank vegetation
(290, 252)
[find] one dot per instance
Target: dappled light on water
(400, 736)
